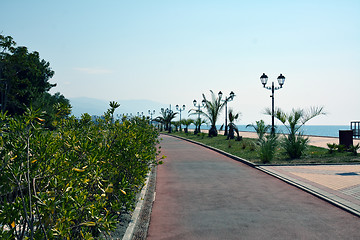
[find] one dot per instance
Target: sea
(311, 130)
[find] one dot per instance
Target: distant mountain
(97, 107)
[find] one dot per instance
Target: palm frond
(312, 112)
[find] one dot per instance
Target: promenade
(201, 194)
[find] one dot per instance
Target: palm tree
(294, 142)
(187, 123)
(260, 128)
(232, 126)
(165, 118)
(211, 111)
(267, 143)
(198, 122)
(177, 125)
(113, 105)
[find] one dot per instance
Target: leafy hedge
(74, 182)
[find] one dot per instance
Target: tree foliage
(24, 76)
(165, 118)
(187, 123)
(267, 143)
(232, 126)
(260, 127)
(211, 111)
(54, 107)
(294, 141)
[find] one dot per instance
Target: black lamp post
(151, 114)
(180, 109)
(199, 106)
(227, 99)
(281, 80)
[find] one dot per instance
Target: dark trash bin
(346, 137)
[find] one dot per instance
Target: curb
(135, 221)
(280, 177)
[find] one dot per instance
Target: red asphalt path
(201, 194)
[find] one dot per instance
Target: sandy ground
(314, 140)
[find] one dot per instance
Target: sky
(172, 52)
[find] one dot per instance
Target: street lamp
(281, 80)
(203, 102)
(227, 99)
(180, 109)
(151, 114)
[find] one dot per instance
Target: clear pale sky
(173, 51)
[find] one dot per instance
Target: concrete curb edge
(139, 206)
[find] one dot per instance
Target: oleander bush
(71, 183)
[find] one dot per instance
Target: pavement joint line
(136, 213)
(280, 177)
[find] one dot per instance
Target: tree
(24, 76)
(232, 126)
(267, 143)
(113, 106)
(260, 128)
(187, 123)
(294, 142)
(267, 147)
(211, 111)
(166, 117)
(198, 122)
(176, 124)
(54, 107)
(7, 46)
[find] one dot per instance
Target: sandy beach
(314, 140)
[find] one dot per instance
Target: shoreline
(308, 130)
(317, 141)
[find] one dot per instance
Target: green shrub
(71, 183)
(295, 145)
(341, 148)
(294, 142)
(267, 148)
(354, 148)
(332, 147)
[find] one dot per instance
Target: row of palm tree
(211, 112)
(294, 141)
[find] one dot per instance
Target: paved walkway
(338, 184)
(201, 194)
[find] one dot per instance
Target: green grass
(247, 149)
